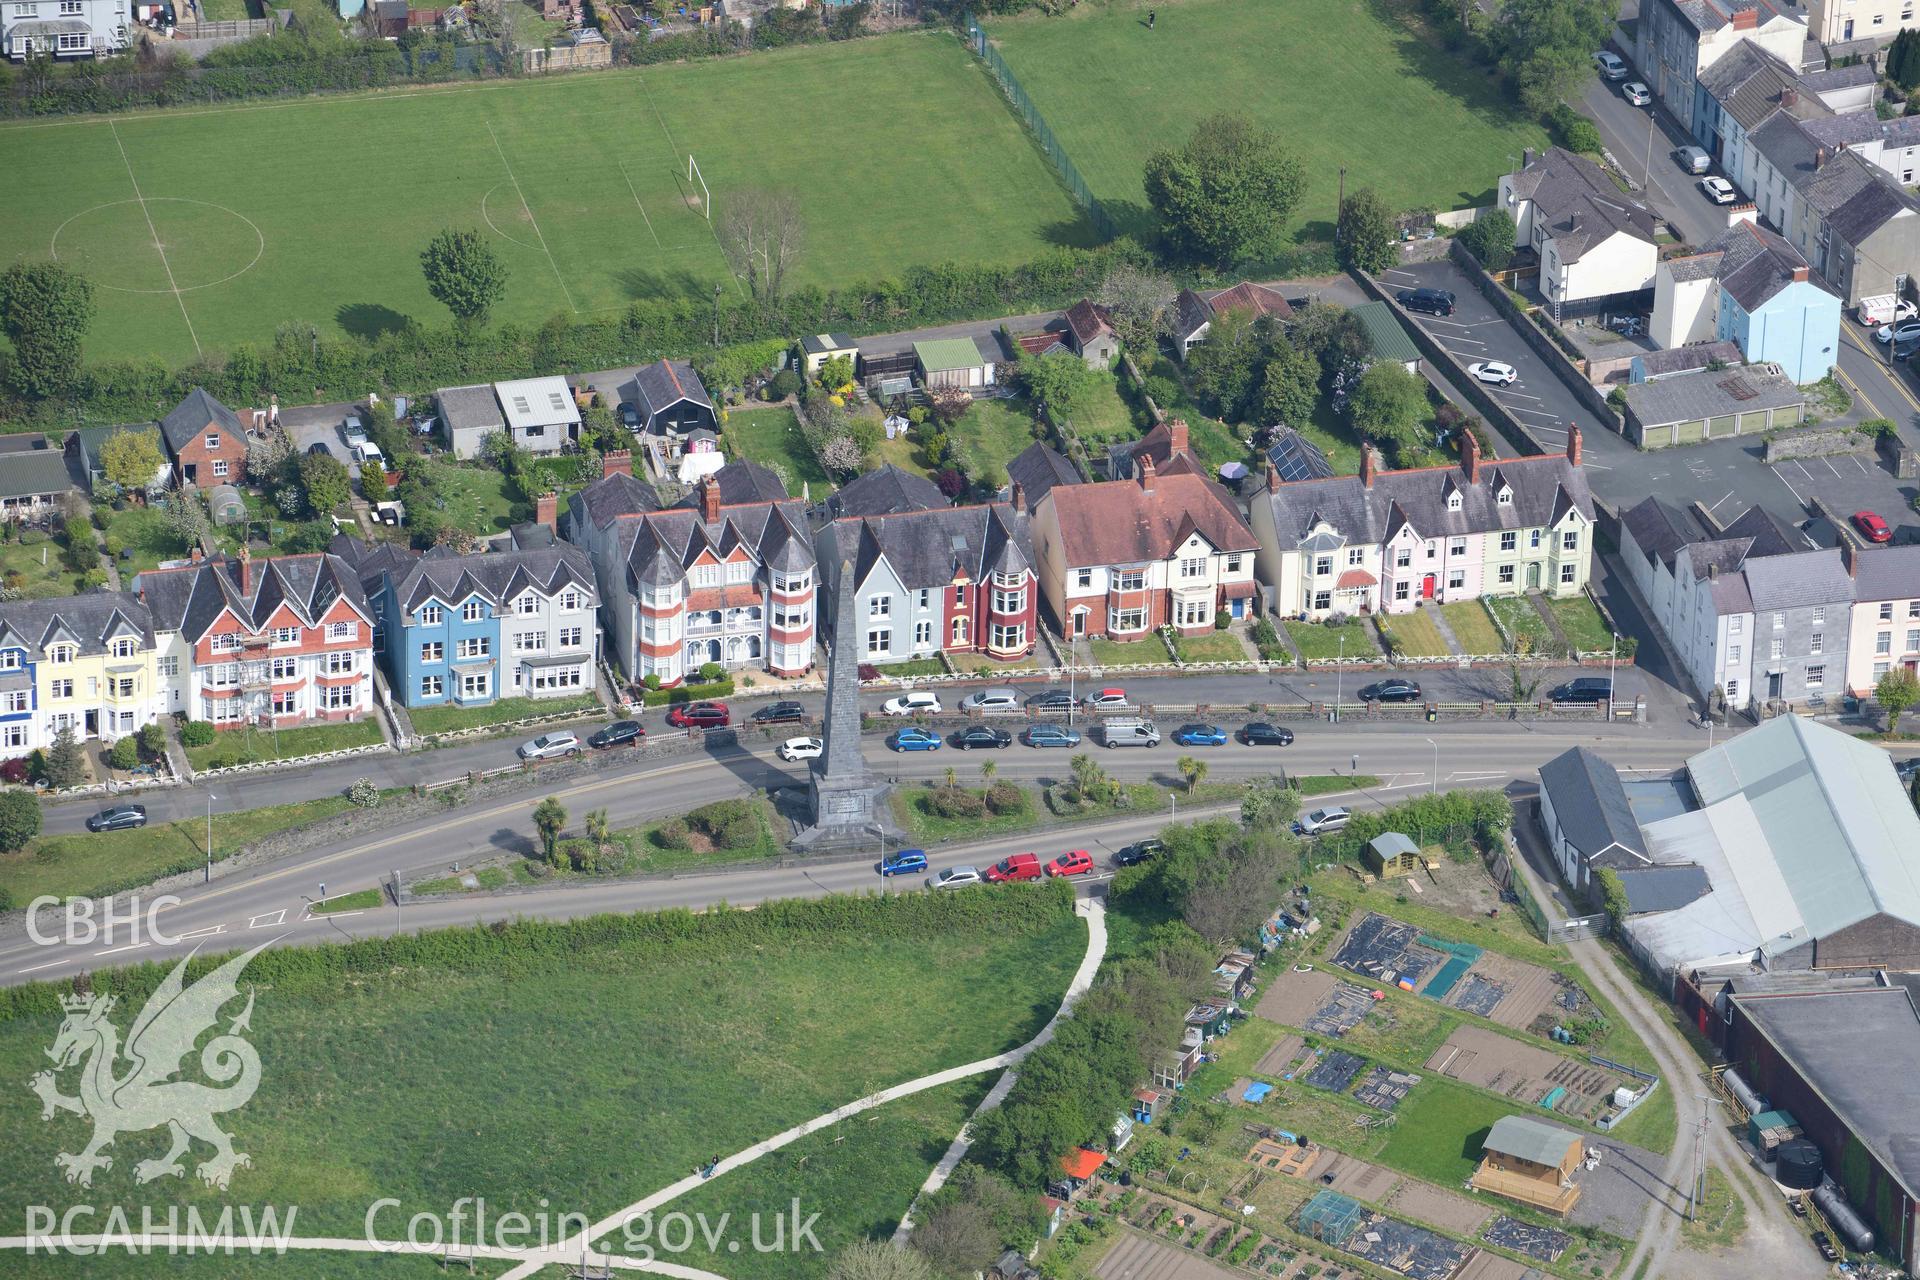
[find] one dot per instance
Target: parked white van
(1129, 733)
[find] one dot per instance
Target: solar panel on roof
(1297, 458)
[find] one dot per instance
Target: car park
(1259, 733)
(1393, 690)
(1610, 65)
(1587, 689)
(1139, 851)
(981, 735)
(1872, 527)
(1434, 302)
(921, 702)
(955, 878)
(1321, 821)
(1051, 700)
(1200, 735)
(987, 700)
(801, 749)
(1108, 700)
(1717, 189)
(1692, 159)
(1494, 373)
(617, 734)
(1021, 866)
(700, 715)
(914, 740)
(1052, 735)
(779, 713)
(1129, 733)
(1636, 93)
(903, 862)
(122, 817)
(1077, 863)
(549, 745)
(1901, 332)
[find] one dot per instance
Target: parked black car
(1138, 852)
(1259, 733)
(1051, 700)
(1395, 690)
(780, 713)
(981, 735)
(617, 734)
(123, 817)
(1435, 302)
(1588, 689)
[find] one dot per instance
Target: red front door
(1427, 585)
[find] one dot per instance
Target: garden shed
(947, 363)
(1393, 854)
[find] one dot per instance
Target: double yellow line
(1892, 376)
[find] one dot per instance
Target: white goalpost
(694, 175)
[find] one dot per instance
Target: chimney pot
(1470, 455)
(617, 462)
(1177, 435)
(1800, 273)
(1019, 498)
(194, 554)
(246, 571)
(1146, 473)
(546, 508)
(1526, 157)
(1273, 478)
(1848, 554)
(710, 500)
(1713, 571)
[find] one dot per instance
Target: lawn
(1586, 630)
(588, 1064)
(989, 435)
(83, 865)
(981, 662)
(650, 854)
(1321, 641)
(579, 181)
(1104, 415)
(1334, 435)
(1365, 91)
(1522, 621)
(1440, 1129)
(1217, 646)
(144, 532)
(1471, 626)
(1214, 441)
(36, 579)
(446, 719)
(1149, 650)
(1417, 634)
(771, 437)
(248, 745)
(476, 499)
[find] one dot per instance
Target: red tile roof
(1082, 1163)
(1087, 321)
(1262, 300)
(1120, 522)
(1355, 578)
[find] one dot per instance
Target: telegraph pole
(1699, 1189)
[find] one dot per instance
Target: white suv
(922, 703)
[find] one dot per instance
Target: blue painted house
(1754, 289)
(468, 630)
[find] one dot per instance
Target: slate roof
(88, 620)
(1671, 360)
(33, 472)
(1887, 573)
(1119, 522)
(1191, 313)
(610, 497)
(665, 383)
(885, 491)
(740, 482)
(1849, 130)
(1581, 205)
(1858, 198)
(1257, 297)
(1660, 530)
(473, 408)
(1710, 395)
(1753, 264)
(1037, 469)
(193, 415)
(1748, 82)
(933, 548)
(659, 546)
(1592, 809)
(189, 599)
(1768, 535)
(1087, 321)
(1719, 562)
(1797, 579)
(1535, 1141)
(1544, 488)
(1860, 73)
(1663, 888)
(497, 577)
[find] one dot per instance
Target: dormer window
(1453, 502)
(1505, 497)
(60, 653)
(124, 647)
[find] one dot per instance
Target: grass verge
(250, 745)
(448, 719)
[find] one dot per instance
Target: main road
(274, 900)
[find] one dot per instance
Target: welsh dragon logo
(144, 1095)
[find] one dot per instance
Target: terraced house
(272, 642)
(84, 662)
(458, 630)
(725, 576)
(1387, 540)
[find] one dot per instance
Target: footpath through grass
(587, 1063)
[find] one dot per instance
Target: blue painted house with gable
(1750, 287)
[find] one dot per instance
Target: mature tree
(958, 1238)
(45, 311)
(1225, 369)
(878, 1260)
(1268, 803)
(1289, 388)
(1367, 236)
(763, 234)
(1226, 195)
(1490, 238)
(1389, 404)
(549, 820)
(19, 820)
(326, 481)
(1234, 889)
(373, 484)
(1192, 770)
(186, 519)
(464, 275)
(66, 766)
(1058, 383)
(1327, 332)
(1139, 301)
(1613, 895)
(1895, 692)
(132, 459)
(1545, 45)
(267, 457)
(841, 455)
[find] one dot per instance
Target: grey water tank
(1742, 1094)
(1797, 1164)
(1851, 1226)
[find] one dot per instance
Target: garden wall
(1819, 443)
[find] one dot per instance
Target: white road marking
(1831, 467)
(1396, 271)
(1724, 497)
(132, 946)
(268, 920)
(1782, 473)
(1521, 395)
(38, 967)
(207, 932)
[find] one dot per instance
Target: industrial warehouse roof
(1842, 1044)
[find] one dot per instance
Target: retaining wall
(1820, 442)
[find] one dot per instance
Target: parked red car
(700, 715)
(1021, 866)
(1077, 863)
(1872, 527)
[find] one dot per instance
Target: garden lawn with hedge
(1522, 621)
(613, 1053)
(1215, 646)
(771, 437)
(478, 499)
(1321, 641)
(1580, 618)
(1471, 626)
(449, 718)
(989, 435)
(144, 531)
(1416, 634)
(35, 580)
(250, 745)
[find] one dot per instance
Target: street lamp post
(1612, 655)
(1435, 788)
(209, 874)
(1339, 675)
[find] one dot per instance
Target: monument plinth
(847, 803)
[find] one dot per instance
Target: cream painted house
(85, 662)
(1886, 612)
(1594, 244)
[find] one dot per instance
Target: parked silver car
(548, 745)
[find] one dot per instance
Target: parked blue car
(915, 740)
(1200, 735)
(1052, 735)
(905, 862)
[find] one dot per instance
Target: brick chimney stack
(616, 462)
(1573, 444)
(545, 508)
(1849, 554)
(1177, 435)
(1146, 473)
(1019, 498)
(1367, 465)
(1470, 455)
(1800, 273)
(246, 572)
(1273, 478)
(1746, 19)
(710, 500)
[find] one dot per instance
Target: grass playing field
(1345, 82)
(899, 148)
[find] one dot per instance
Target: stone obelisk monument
(849, 807)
